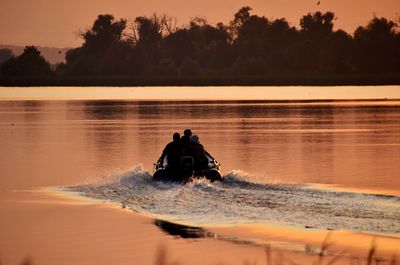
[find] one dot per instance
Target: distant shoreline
(207, 80)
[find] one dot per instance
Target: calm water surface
(351, 146)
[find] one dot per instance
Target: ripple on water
(239, 200)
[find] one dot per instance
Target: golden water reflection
(344, 145)
(351, 146)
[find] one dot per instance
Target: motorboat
(186, 171)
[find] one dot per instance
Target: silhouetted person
(185, 141)
(196, 150)
(173, 152)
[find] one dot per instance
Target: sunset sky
(56, 22)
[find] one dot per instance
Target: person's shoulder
(198, 145)
(175, 143)
(171, 143)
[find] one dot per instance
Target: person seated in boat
(185, 140)
(173, 152)
(197, 151)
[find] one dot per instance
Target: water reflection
(182, 231)
(290, 142)
(192, 232)
(65, 143)
(318, 146)
(105, 130)
(348, 145)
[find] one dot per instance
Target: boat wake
(238, 200)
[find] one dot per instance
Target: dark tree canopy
(317, 24)
(104, 50)
(378, 46)
(239, 19)
(249, 45)
(5, 54)
(29, 63)
(105, 33)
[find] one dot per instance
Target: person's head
(195, 139)
(187, 132)
(176, 136)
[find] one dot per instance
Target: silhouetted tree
(104, 34)
(378, 46)
(249, 42)
(280, 38)
(319, 49)
(149, 33)
(210, 44)
(104, 51)
(179, 45)
(145, 28)
(249, 66)
(5, 54)
(317, 24)
(29, 63)
(239, 19)
(190, 67)
(337, 55)
(248, 45)
(164, 67)
(207, 45)
(261, 46)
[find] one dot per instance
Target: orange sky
(55, 22)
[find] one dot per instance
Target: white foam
(239, 200)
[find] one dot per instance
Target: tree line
(248, 45)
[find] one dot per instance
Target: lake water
(325, 164)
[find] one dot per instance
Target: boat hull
(186, 171)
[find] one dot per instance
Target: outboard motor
(187, 167)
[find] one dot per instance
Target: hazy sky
(56, 22)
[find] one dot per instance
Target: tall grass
(161, 257)
(322, 257)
